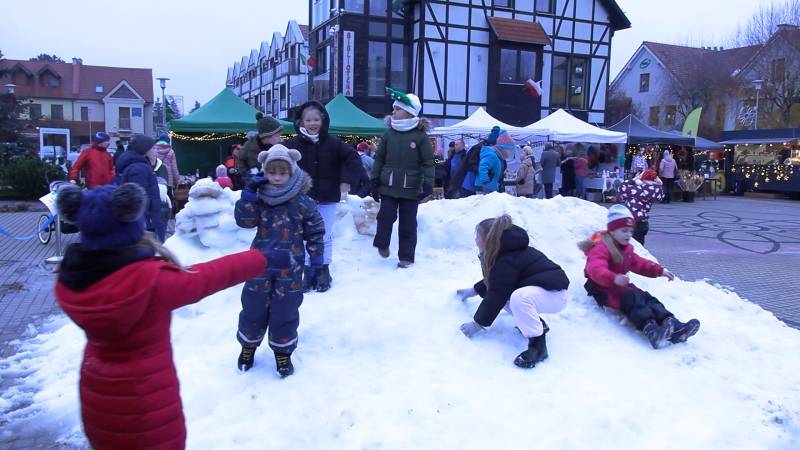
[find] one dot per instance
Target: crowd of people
(120, 284)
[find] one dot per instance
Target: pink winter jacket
(165, 153)
(601, 269)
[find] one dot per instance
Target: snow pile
(381, 363)
(209, 216)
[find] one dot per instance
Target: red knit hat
(362, 147)
(619, 217)
(649, 175)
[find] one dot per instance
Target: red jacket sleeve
(645, 267)
(597, 266)
(75, 170)
(177, 288)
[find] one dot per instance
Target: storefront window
(377, 7)
(558, 81)
(399, 74)
(356, 6)
(376, 69)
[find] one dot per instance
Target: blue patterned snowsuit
(272, 300)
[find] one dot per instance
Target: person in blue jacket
(492, 165)
(134, 167)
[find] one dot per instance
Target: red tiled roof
(514, 30)
(79, 81)
(304, 30)
(684, 62)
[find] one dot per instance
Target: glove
(464, 294)
(278, 259)
(73, 181)
(427, 190)
(470, 329)
(256, 182)
(249, 195)
(376, 190)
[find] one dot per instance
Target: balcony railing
(124, 123)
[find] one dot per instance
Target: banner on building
(349, 61)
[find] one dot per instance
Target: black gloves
(427, 190)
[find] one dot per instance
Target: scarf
(275, 195)
(405, 124)
(312, 137)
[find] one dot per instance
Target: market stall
(763, 160)
(350, 123)
(480, 123)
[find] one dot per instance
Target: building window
(644, 82)
(568, 83)
(57, 112)
(35, 111)
(322, 60)
(399, 74)
(517, 66)
(779, 70)
(84, 113)
(283, 97)
(377, 8)
(125, 118)
(545, 6)
(654, 112)
(355, 6)
(503, 3)
(398, 31)
(669, 118)
(377, 29)
(376, 69)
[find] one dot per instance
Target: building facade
(81, 98)
(274, 78)
(459, 55)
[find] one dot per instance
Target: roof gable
(293, 34)
(123, 90)
(253, 60)
(786, 36)
(683, 63)
(277, 44)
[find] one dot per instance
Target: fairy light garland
(764, 172)
(215, 137)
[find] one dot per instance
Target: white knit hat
(279, 152)
(414, 108)
(619, 217)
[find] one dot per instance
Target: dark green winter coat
(404, 162)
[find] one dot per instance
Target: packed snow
(381, 363)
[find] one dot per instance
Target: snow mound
(381, 362)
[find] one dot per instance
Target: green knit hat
(267, 125)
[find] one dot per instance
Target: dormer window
(98, 88)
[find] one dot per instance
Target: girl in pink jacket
(610, 257)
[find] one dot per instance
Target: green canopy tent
(348, 120)
(201, 140)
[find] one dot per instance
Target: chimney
(76, 75)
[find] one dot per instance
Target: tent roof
(346, 118)
(225, 113)
(639, 133)
(481, 123)
(565, 127)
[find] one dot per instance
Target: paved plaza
(749, 245)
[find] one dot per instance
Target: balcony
(124, 123)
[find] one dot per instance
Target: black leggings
(640, 307)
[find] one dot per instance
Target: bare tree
(619, 106)
(764, 23)
(779, 70)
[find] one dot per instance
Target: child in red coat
(122, 295)
(610, 257)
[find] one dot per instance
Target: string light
(214, 137)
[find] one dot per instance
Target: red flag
(535, 88)
(311, 63)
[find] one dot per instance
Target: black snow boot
(324, 279)
(246, 358)
(658, 335)
(683, 331)
(536, 352)
(309, 279)
(283, 362)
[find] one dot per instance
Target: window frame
(670, 115)
(382, 90)
(644, 82)
(519, 77)
(86, 110)
(551, 7)
(657, 110)
(56, 107)
(570, 85)
(509, 4)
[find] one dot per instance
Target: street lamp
(163, 83)
(757, 84)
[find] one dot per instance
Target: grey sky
(193, 43)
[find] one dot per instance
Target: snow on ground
(382, 365)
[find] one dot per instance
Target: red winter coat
(129, 388)
(97, 166)
(601, 269)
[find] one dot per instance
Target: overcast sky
(194, 43)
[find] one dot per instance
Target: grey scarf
(276, 195)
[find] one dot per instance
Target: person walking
(568, 174)
(363, 152)
(459, 153)
(166, 154)
(668, 171)
(581, 170)
(549, 161)
(94, 164)
(526, 174)
(639, 195)
(402, 176)
(134, 167)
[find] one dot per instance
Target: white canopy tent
(480, 124)
(564, 127)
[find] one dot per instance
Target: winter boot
(404, 264)
(658, 335)
(683, 331)
(324, 279)
(536, 352)
(384, 252)
(283, 363)
(246, 358)
(309, 279)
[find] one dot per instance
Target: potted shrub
(689, 183)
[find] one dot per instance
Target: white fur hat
(414, 109)
(281, 153)
(619, 217)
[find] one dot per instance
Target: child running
(610, 257)
(287, 218)
(520, 279)
(120, 286)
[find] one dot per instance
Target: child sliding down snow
(610, 258)
(519, 278)
(286, 219)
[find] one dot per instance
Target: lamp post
(163, 83)
(757, 84)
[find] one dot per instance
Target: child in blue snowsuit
(286, 219)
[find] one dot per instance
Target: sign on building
(349, 50)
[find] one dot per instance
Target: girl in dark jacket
(402, 176)
(114, 286)
(334, 167)
(519, 279)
